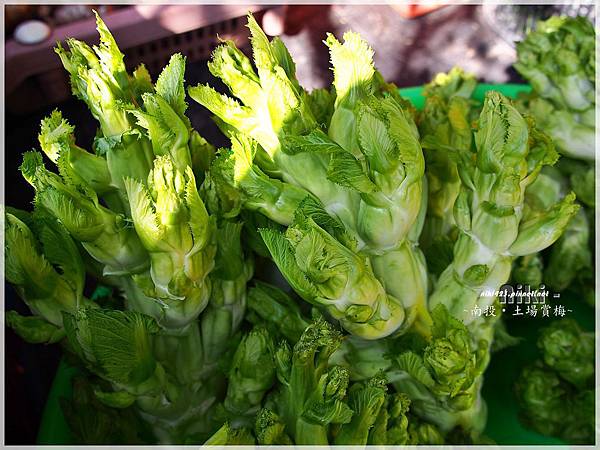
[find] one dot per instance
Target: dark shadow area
(29, 371)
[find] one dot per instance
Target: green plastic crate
(503, 425)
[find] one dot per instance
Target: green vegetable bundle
(131, 213)
(342, 170)
(556, 393)
(340, 189)
(559, 61)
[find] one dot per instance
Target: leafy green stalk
(57, 140)
(278, 312)
(489, 210)
(252, 373)
(442, 375)
(445, 128)
(494, 228)
(105, 235)
(99, 78)
(46, 271)
(176, 229)
(135, 207)
(366, 400)
(311, 394)
(365, 173)
(324, 271)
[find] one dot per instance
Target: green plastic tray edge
(53, 426)
(414, 94)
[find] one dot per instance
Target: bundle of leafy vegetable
(341, 188)
(559, 61)
(567, 266)
(131, 213)
(347, 243)
(556, 393)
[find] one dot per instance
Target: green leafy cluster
(314, 402)
(442, 375)
(132, 210)
(567, 266)
(385, 226)
(556, 393)
(445, 125)
(494, 227)
(354, 212)
(558, 59)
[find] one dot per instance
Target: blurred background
(411, 43)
